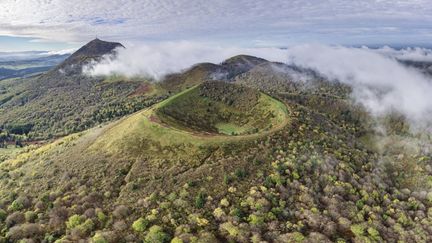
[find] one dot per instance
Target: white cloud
(380, 83)
(59, 52)
(270, 21)
(157, 60)
(408, 54)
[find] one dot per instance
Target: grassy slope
(10, 152)
(120, 157)
(130, 144)
(142, 126)
(194, 111)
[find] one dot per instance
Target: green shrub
(140, 225)
(227, 179)
(357, 229)
(101, 217)
(256, 220)
(3, 215)
(30, 216)
(403, 219)
(156, 235)
(360, 204)
(296, 175)
(224, 202)
(86, 227)
(232, 230)
(237, 212)
(298, 237)
(74, 221)
(240, 173)
(98, 238)
(200, 200)
(16, 206)
(49, 238)
(374, 234)
(268, 182)
(176, 240)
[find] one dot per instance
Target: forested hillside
(266, 153)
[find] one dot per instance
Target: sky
(64, 24)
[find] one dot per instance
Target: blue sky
(64, 24)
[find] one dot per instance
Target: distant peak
(245, 58)
(93, 50)
(98, 41)
(98, 47)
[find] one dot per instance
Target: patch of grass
(230, 128)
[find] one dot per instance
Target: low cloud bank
(158, 60)
(379, 81)
(416, 54)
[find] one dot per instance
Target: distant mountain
(48, 60)
(64, 100)
(201, 72)
(241, 64)
(193, 76)
(6, 73)
(23, 55)
(23, 64)
(92, 51)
